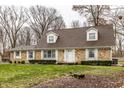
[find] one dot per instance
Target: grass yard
(121, 62)
(28, 75)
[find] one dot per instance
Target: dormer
(52, 37)
(92, 34)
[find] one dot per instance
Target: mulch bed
(90, 81)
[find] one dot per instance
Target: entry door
(69, 56)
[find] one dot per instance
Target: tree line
(25, 26)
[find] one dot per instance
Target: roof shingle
(76, 38)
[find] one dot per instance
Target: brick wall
(11, 55)
(61, 56)
(38, 55)
(79, 55)
(104, 54)
(23, 55)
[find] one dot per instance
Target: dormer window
(92, 34)
(52, 37)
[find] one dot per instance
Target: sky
(63, 6)
(65, 9)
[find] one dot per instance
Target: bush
(68, 63)
(33, 61)
(98, 63)
(22, 62)
(42, 61)
(114, 61)
(47, 62)
(10, 62)
(15, 62)
(19, 62)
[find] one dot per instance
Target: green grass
(121, 62)
(28, 75)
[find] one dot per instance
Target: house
(71, 45)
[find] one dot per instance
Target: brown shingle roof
(76, 37)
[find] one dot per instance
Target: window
(91, 53)
(17, 54)
(50, 54)
(92, 36)
(51, 39)
(30, 54)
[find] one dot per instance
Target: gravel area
(90, 81)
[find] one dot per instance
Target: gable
(51, 37)
(92, 34)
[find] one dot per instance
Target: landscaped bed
(27, 75)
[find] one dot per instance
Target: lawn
(121, 62)
(28, 75)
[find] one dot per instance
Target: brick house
(71, 45)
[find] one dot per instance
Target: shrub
(68, 63)
(114, 61)
(42, 61)
(15, 62)
(32, 61)
(22, 62)
(47, 62)
(98, 62)
(10, 62)
(19, 62)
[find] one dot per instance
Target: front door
(69, 56)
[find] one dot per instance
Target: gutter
(61, 48)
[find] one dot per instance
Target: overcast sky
(63, 6)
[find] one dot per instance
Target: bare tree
(95, 14)
(24, 36)
(58, 24)
(120, 44)
(42, 19)
(118, 23)
(75, 24)
(3, 39)
(12, 20)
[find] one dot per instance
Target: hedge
(97, 62)
(17, 62)
(42, 61)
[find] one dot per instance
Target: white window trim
(65, 53)
(42, 54)
(48, 58)
(17, 57)
(33, 55)
(87, 54)
(56, 55)
(111, 54)
(92, 31)
(54, 38)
